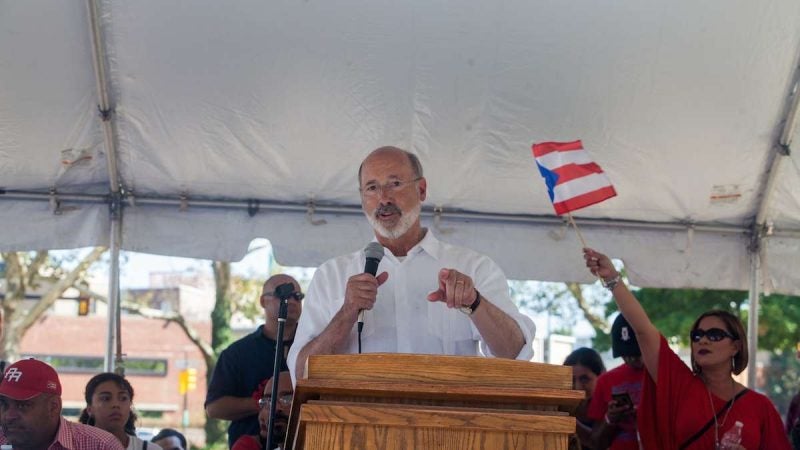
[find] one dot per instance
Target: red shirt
(247, 442)
(76, 436)
(678, 406)
(617, 381)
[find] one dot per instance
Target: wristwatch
(468, 310)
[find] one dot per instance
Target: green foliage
(779, 319)
(782, 379)
(602, 340)
(673, 311)
(245, 294)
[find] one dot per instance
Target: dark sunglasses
(294, 295)
(713, 334)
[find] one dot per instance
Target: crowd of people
(430, 297)
(30, 413)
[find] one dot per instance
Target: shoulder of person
(459, 251)
(337, 268)
(247, 442)
(761, 400)
(609, 374)
(243, 344)
(602, 384)
(103, 439)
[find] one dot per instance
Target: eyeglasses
(713, 334)
(285, 400)
(294, 295)
(394, 186)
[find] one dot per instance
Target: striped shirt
(76, 436)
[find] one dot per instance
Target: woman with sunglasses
(693, 409)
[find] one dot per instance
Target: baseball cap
(623, 339)
(28, 378)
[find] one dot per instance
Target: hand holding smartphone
(622, 400)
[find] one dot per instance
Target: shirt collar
(429, 244)
(64, 435)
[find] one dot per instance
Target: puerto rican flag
(573, 180)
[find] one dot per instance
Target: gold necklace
(714, 412)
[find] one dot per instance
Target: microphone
(374, 253)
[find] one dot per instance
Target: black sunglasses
(294, 295)
(713, 334)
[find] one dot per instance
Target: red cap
(28, 378)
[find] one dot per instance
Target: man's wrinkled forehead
(392, 152)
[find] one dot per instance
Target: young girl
(108, 407)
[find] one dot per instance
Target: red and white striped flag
(573, 180)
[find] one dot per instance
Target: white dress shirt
(403, 320)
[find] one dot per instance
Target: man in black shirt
(244, 367)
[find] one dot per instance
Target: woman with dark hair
(108, 407)
(702, 407)
(586, 367)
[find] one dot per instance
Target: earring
(733, 363)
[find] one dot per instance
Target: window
(94, 364)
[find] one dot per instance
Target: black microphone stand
(283, 292)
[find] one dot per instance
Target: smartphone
(623, 399)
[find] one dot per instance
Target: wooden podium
(406, 401)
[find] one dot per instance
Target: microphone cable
(360, 327)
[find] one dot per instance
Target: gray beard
(407, 220)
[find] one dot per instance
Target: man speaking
(426, 297)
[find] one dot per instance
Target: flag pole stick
(583, 242)
(577, 230)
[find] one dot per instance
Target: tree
(220, 336)
(44, 278)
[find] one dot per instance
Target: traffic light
(183, 381)
(191, 379)
(187, 380)
(83, 305)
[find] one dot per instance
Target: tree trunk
(220, 338)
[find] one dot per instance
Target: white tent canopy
(226, 121)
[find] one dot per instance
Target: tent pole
(752, 320)
(112, 340)
(106, 109)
